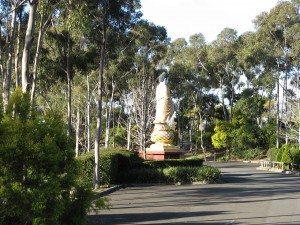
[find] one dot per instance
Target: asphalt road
(246, 196)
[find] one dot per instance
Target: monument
(162, 135)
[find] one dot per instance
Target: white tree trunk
(108, 117)
(277, 114)
(17, 56)
(28, 44)
(42, 29)
(99, 110)
(88, 115)
(7, 77)
(129, 132)
(77, 133)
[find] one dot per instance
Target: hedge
(171, 175)
(112, 162)
(122, 166)
(161, 164)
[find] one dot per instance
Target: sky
(183, 18)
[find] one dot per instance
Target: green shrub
(290, 154)
(208, 173)
(122, 166)
(112, 163)
(86, 169)
(194, 162)
(180, 174)
(272, 154)
(247, 154)
(37, 169)
(279, 155)
(255, 153)
(142, 175)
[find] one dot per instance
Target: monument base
(161, 152)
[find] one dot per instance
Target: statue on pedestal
(161, 134)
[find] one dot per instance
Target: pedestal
(158, 152)
(162, 148)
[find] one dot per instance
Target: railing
(273, 165)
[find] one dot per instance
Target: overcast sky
(183, 18)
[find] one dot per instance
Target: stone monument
(162, 135)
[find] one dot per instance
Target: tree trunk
(222, 99)
(201, 136)
(7, 76)
(231, 99)
(28, 45)
(1, 61)
(286, 105)
(277, 114)
(17, 56)
(99, 108)
(129, 131)
(69, 80)
(88, 115)
(42, 29)
(298, 108)
(108, 117)
(77, 133)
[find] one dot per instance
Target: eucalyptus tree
(223, 64)
(190, 82)
(10, 9)
(274, 27)
(33, 4)
(46, 10)
(110, 17)
(68, 26)
(150, 45)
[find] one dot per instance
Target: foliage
(180, 174)
(279, 155)
(37, 169)
(245, 137)
(290, 154)
(113, 162)
(221, 137)
(122, 166)
(172, 174)
(192, 174)
(143, 175)
(272, 154)
(161, 164)
(248, 154)
(208, 174)
(102, 203)
(286, 154)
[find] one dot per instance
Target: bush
(180, 174)
(161, 164)
(272, 154)
(208, 173)
(245, 137)
(122, 166)
(248, 154)
(290, 154)
(37, 169)
(112, 163)
(142, 175)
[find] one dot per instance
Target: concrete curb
(108, 191)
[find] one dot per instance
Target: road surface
(245, 196)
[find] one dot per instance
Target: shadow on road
(146, 217)
(243, 191)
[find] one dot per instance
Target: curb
(108, 191)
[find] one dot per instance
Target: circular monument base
(161, 152)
